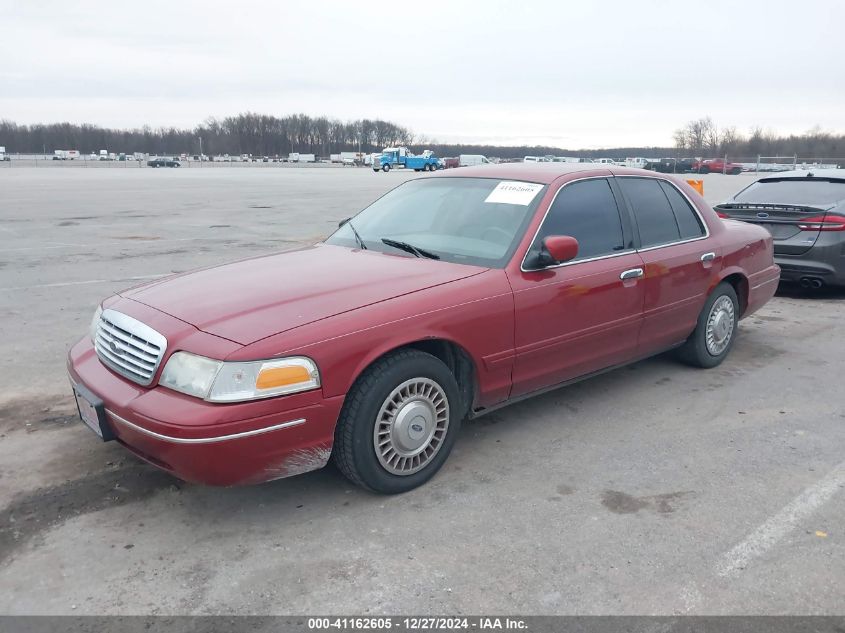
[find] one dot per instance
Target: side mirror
(557, 249)
(342, 222)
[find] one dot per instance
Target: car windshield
(805, 191)
(474, 221)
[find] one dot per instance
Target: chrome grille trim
(128, 347)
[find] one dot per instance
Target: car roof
(544, 173)
(806, 174)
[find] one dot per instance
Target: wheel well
(740, 285)
(458, 361)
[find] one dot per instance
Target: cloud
(590, 74)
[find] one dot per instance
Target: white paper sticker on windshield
(511, 192)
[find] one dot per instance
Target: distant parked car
(671, 165)
(163, 162)
(449, 163)
(472, 160)
(684, 165)
(805, 213)
(716, 166)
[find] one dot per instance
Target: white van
(532, 159)
(469, 160)
(638, 162)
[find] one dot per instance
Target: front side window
(587, 211)
(476, 221)
(654, 215)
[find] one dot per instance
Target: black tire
(354, 449)
(736, 171)
(385, 168)
(695, 351)
(703, 170)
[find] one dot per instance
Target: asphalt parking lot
(654, 489)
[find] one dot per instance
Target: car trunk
(783, 221)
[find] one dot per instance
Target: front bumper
(214, 444)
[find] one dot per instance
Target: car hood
(255, 298)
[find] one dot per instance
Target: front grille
(129, 347)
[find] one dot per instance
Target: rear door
(792, 209)
(679, 260)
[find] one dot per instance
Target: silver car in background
(805, 213)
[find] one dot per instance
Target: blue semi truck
(400, 157)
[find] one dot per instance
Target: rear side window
(689, 223)
(587, 211)
(651, 208)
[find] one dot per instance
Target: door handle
(633, 273)
(708, 257)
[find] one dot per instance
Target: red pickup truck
(716, 166)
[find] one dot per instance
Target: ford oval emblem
(762, 216)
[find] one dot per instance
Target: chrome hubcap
(720, 325)
(411, 426)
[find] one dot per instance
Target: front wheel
(715, 330)
(703, 170)
(398, 423)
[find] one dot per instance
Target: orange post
(698, 185)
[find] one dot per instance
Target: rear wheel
(385, 168)
(715, 330)
(398, 423)
(704, 169)
(736, 171)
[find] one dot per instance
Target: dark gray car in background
(805, 213)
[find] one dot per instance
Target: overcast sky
(583, 74)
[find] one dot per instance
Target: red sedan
(450, 296)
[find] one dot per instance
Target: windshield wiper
(357, 237)
(409, 248)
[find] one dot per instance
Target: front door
(583, 315)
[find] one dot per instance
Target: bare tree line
(267, 135)
(247, 133)
(702, 137)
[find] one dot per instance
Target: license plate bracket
(92, 412)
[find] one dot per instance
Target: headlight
(95, 322)
(217, 381)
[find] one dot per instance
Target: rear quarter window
(689, 223)
(655, 218)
